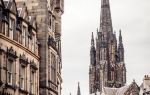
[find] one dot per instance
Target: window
(1, 11)
(31, 81)
(3, 28)
(29, 42)
(23, 35)
(49, 64)
(1, 58)
(11, 27)
(6, 32)
(22, 76)
(19, 36)
(26, 37)
(0, 64)
(10, 71)
(53, 24)
(0, 19)
(53, 68)
(112, 75)
(33, 43)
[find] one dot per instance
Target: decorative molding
(11, 52)
(19, 45)
(33, 65)
(24, 59)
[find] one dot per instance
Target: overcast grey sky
(81, 18)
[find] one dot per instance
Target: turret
(78, 91)
(120, 48)
(93, 52)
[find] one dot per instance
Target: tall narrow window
(32, 82)
(10, 71)
(112, 75)
(0, 19)
(33, 43)
(53, 68)
(23, 35)
(11, 27)
(19, 37)
(49, 65)
(22, 76)
(3, 28)
(1, 64)
(26, 37)
(53, 24)
(6, 32)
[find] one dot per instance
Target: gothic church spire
(105, 17)
(78, 91)
(93, 51)
(120, 48)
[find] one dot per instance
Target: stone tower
(48, 16)
(107, 67)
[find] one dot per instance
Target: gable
(11, 5)
(22, 11)
(133, 89)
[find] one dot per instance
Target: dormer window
(11, 27)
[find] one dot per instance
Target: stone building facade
(107, 66)
(19, 57)
(30, 47)
(145, 86)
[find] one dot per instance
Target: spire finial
(120, 36)
(92, 40)
(105, 17)
(97, 30)
(78, 91)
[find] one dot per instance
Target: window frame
(11, 27)
(10, 64)
(22, 76)
(32, 80)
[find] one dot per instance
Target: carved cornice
(19, 45)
